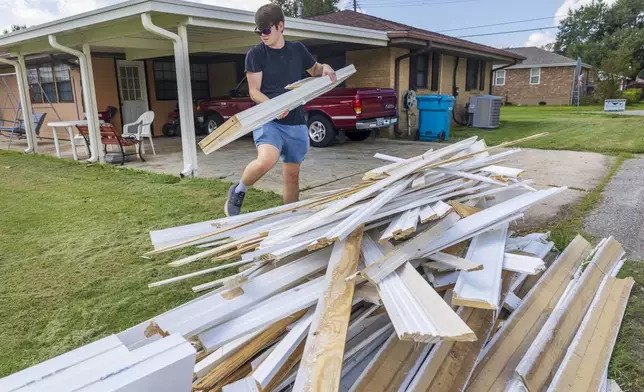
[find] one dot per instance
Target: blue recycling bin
(435, 116)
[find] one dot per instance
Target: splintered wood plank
(449, 365)
(587, 358)
(509, 345)
(463, 209)
(389, 367)
(321, 364)
(548, 349)
(218, 377)
(456, 262)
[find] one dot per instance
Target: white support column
(25, 101)
(182, 65)
(90, 86)
(88, 98)
(186, 91)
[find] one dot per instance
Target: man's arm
(322, 70)
(254, 85)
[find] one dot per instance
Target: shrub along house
(127, 53)
(543, 77)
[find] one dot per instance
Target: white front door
(132, 88)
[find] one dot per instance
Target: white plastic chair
(143, 130)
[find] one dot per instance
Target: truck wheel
(213, 121)
(358, 136)
(321, 131)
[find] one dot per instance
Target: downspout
(499, 69)
(25, 101)
(455, 92)
(397, 73)
(184, 92)
(91, 111)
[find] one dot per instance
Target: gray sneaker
(234, 201)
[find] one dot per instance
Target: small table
(68, 125)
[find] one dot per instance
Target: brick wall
(554, 88)
(375, 68)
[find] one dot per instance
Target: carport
(142, 29)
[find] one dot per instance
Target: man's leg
(291, 174)
(267, 156)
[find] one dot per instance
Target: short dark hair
(269, 15)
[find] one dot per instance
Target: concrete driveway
(344, 164)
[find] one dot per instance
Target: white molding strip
(274, 362)
(482, 289)
(523, 264)
(503, 171)
(201, 315)
(269, 311)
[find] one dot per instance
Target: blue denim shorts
(291, 140)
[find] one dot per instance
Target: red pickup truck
(357, 111)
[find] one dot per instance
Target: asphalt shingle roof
(358, 19)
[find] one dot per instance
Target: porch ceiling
(119, 29)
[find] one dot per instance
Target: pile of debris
(410, 280)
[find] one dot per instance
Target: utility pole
(299, 8)
(355, 5)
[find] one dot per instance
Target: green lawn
(70, 240)
(568, 129)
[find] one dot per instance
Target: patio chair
(109, 136)
(143, 129)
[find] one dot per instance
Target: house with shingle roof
(543, 77)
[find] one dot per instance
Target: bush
(632, 95)
(607, 88)
(589, 100)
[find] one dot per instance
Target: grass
(568, 129)
(627, 363)
(71, 236)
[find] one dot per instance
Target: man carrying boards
(271, 65)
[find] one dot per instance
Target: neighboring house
(543, 77)
(134, 68)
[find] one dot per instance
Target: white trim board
(482, 289)
(523, 264)
(201, 315)
(269, 311)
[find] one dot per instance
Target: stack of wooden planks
(410, 280)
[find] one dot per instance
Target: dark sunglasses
(266, 31)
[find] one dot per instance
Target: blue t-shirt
(280, 67)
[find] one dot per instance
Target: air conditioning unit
(484, 111)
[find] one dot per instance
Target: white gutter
(25, 101)
(184, 90)
(89, 97)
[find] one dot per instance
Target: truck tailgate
(377, 103)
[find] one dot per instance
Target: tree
(309, 7)
(610, 38)
(13, 28)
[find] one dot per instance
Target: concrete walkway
(621, 213)
(344, 164)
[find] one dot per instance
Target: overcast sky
(434, 15)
